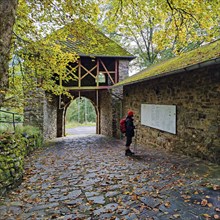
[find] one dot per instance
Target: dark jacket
(129, 127)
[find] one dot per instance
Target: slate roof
(202, 56)
(86, 40)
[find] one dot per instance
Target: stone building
(177, 103)
(101, 64)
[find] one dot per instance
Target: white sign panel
(162, 117)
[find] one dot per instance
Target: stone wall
(13, 150)
(196, 95)
(34, 108)
(41, 111)
(123, 69)
(110, 105)
(105, 111)
(50, 116)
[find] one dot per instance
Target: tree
(81, 110)
(155, 30)
(7, 19)
(40, 56)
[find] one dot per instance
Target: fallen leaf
(216, 187)
(134, 197)
(176, 215)
(204, 202)
(186, 200)
(186, 196)
(216, 216)
(207, 216)
(167, 204)
(209, 205)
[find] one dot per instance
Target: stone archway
(62, 109)
(81, 112)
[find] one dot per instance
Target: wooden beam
(87, 87)
(79, 73)
(88, 72)
(97, 73)
(116, 71)
(107, 71)
(72, 73)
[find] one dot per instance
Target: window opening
(101, 78)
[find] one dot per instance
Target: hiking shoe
(128, 153)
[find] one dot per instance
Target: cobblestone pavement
(90, 178)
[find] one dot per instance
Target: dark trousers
(128, 141)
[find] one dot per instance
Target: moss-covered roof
(178, 64)
(86, 40)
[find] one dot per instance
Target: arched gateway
(96, 70)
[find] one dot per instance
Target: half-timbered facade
(101, 63)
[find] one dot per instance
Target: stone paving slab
(88, 177)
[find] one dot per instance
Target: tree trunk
(7, 20)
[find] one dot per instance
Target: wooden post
(98, 114)
(79, 82)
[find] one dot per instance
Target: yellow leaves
(186, 198)
(205, 202)
(209, 205)
(207, 216)
(127, 193)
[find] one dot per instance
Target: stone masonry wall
(196, 95)
(41, 111)
(50, 116)
(105, 109)
(34, 109)
(13, 150)
(111, 105)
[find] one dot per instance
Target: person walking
(129, 132)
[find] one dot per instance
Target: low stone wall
(13, 149)
(196, 96)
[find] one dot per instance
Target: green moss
(199, 55)
(14, 148)
(28, 130)
(86, 40)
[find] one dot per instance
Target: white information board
(162, 117)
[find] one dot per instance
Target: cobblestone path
(90, 178)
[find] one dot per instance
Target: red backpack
(123, 125)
